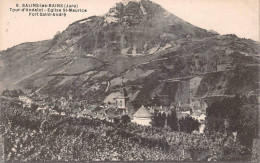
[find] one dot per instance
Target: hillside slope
(141, 42)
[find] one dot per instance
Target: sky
(240, 17)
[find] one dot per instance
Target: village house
(43, 109)
(53, 112)
(199, 115)
(161, 109)
(202, 118)
(182, 115)
(202, 128)
(27, 101)
(142, 117)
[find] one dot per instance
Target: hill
(152, 50)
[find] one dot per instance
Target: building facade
(142, 117)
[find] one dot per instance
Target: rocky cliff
(141, 42)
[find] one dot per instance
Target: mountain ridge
(141, 42)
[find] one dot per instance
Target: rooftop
(142, 113)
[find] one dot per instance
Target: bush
(125, 119)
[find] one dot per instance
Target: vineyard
(31, 136)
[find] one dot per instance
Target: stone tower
(122, 99)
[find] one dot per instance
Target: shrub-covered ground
(32, 136)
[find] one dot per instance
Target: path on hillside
(28, 76)
(108, 85)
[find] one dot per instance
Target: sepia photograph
(129, 80)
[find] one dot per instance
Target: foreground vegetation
(33, 136)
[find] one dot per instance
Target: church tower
(122, 99)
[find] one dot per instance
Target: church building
(123, 103)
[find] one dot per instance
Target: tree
(163, 119)
(217, 112)
(155, 101)
(242, 115)
(188, 124)
(248, 128)
(172, 121)
(160, 120)
(116, 120)
(125, 119)
(155, 121)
